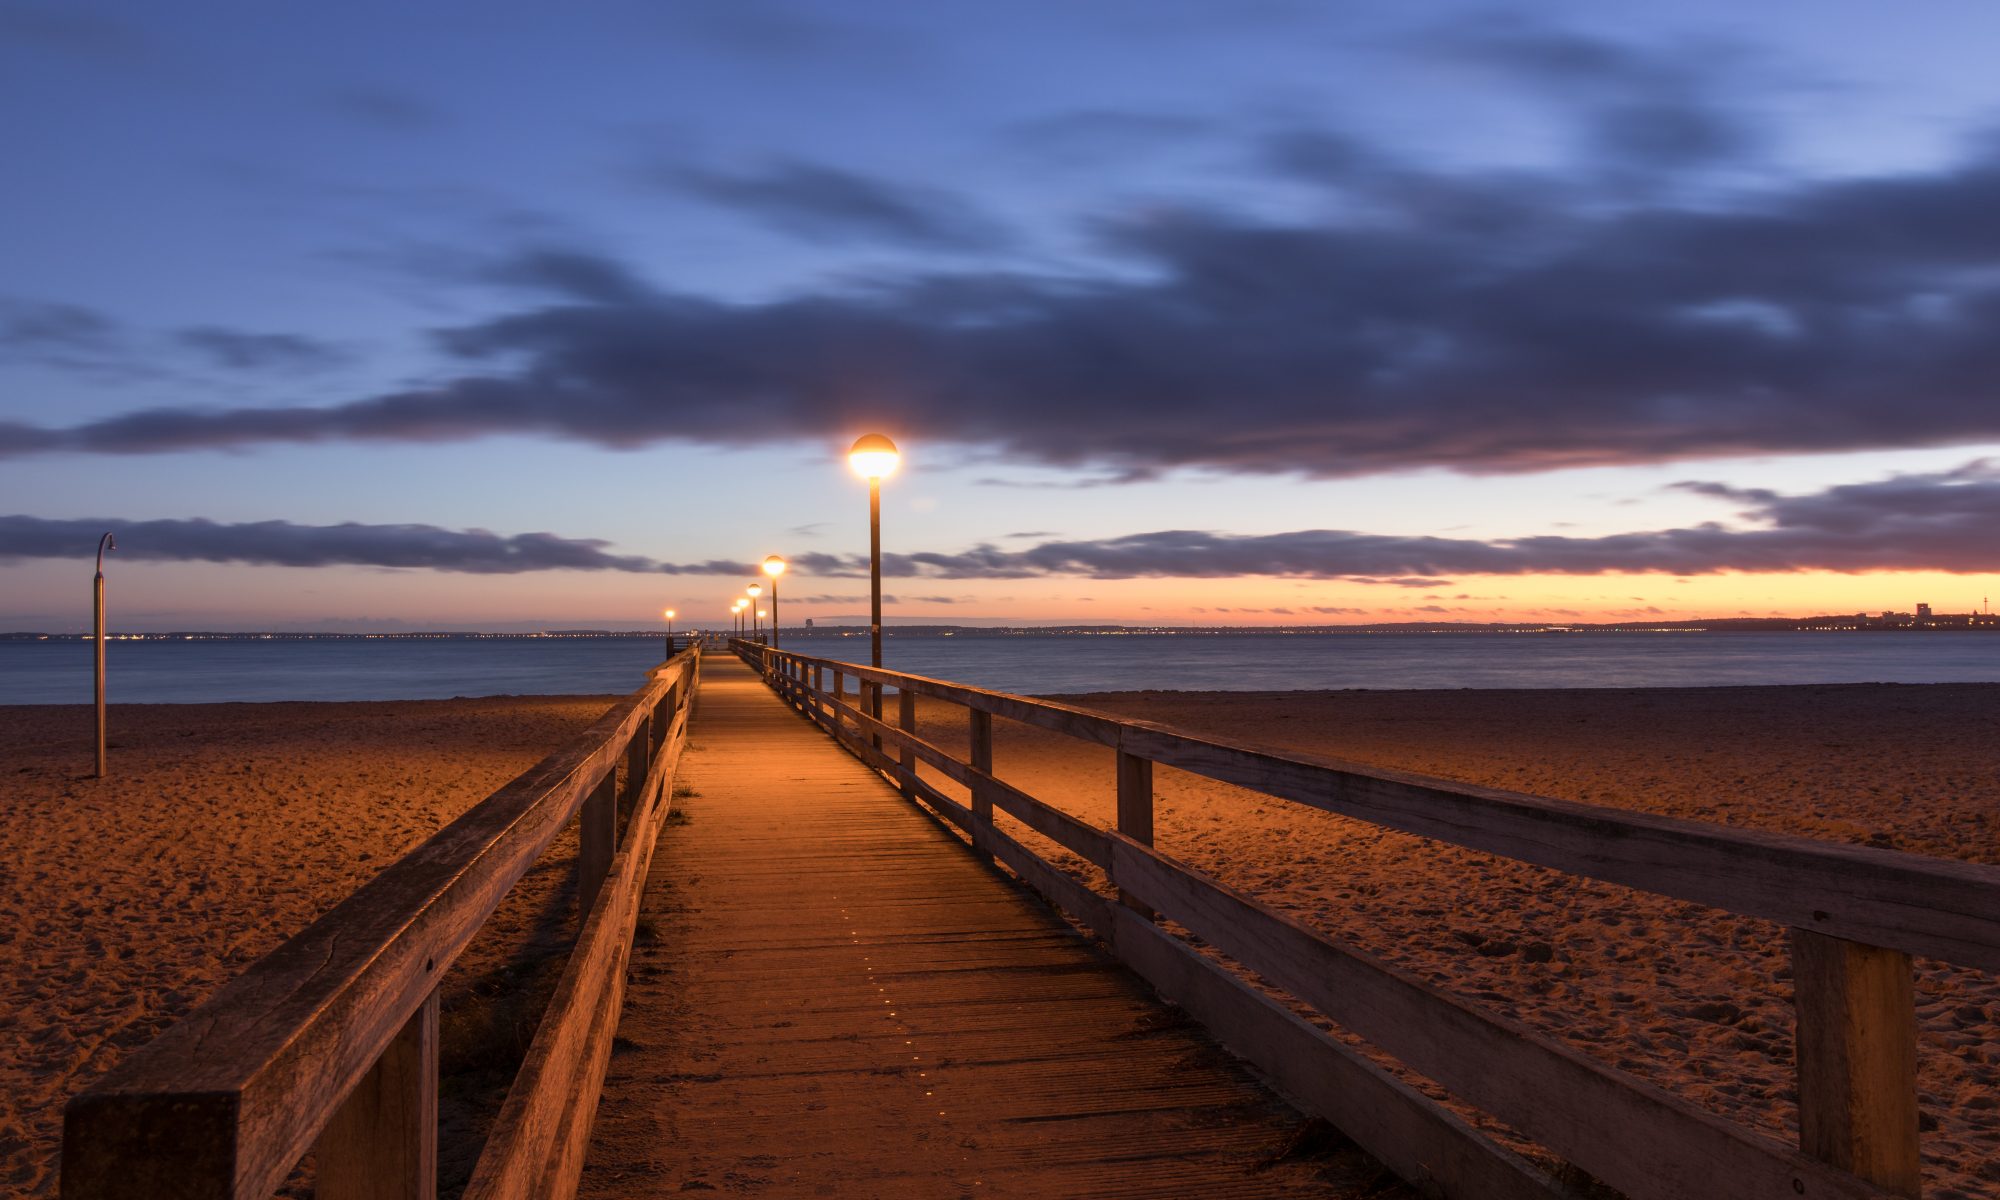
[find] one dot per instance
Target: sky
(380, 316)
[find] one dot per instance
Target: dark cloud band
(1470, 321)
(1936, 522)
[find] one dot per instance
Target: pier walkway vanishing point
(834, 997)
(789, 980)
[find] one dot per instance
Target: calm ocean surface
(201, 671)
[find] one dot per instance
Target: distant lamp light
(873, 456)
(755, 590)
(774, 566)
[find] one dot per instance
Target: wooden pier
(823, 956)
(835, 997)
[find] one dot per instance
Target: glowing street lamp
(755, 590)
(774, 567)
(874, 458)
(736, 613)
(669, 615)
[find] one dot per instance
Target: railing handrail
(1943, 908)
(226, 1101)
(1854, 914)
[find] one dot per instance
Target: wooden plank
(564, 1166)
(1587, 1112)
(1135, 813)
(1045, 819)
(756, 1024)
(1940, 908)
(1087, 841)
(225, 1102)
(1057, 887)
(1045, 714)
(597, 839)
(906, 721)
(381, 1143)
(979, 742)
(1857, 1056)
(1944, 909)
(1410, 1133)
(534, 1149)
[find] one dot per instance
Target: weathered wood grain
(1135, 813)
(1412, 1134)
(1936, 907)
(1945, 909)
(381, 1143)
(1647, 1143)
(224, 1103)
(1857, 1054)
(535, 1147)
(597, 842)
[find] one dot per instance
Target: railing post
(872, 689)
(981, 759)
(381, 1143)
(906, 720)
(1135, 811)
(635, 770)
(840, 695)
(1857, 1058)
(597, 841)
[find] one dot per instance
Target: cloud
(60, 28)
(1932, 522)
(389, 109)
(815, 201)
(1644, 108)
(572, 274)
(1089, 136)
(34, 325)
(284, 544)
(238, 350)
(1482, 324)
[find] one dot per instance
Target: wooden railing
(330, 1042)
(1856, 915)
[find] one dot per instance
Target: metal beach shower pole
(107, 542)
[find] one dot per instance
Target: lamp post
(774, 566)
(755, 590)
(669, 614)
(107, 542)
(874, 457)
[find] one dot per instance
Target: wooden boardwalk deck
(830, 996)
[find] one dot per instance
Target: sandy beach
(125, 902)
(1694, 1000)
(222, 830)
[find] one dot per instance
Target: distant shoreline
(1962, 623)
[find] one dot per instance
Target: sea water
(174, 671)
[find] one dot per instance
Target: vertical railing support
(597, 841)
(873, 689)
(635, 771)
(381, 1143)
(906, 720)
(1857, 1058)
(840, 694)
(1135, 811)
(980, 755)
